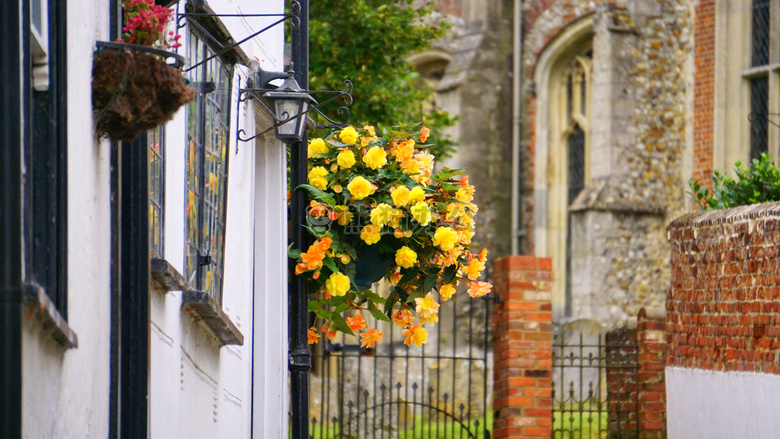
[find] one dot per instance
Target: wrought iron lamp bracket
(293, 17)
(245, 94)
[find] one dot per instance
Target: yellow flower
(337, 284)
(474, 268)
(401, 195)
(445, 238)
(416, 334)
(417, 194)
(446, 291)
(421, 212)
(371, 234)
(410, 167)
(360, 188)
(345, 159)
(405, 257)
(381, 214)
(464, 236)
(463, 196)
(427, 307)
(375, 158)
(396, 215)
(348, 135)
(317, 177)
(317, 147)
(344, 215)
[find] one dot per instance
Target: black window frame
(45, 161)
(200, 259)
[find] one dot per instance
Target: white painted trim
(270, 395)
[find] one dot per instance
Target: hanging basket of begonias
(134, 88)
(378, 211)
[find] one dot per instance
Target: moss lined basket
(135, 88)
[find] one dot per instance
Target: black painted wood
(11, 221)
(134, 289)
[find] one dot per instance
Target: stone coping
(732, 215)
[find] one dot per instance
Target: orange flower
(371, 337)
(300, 267)
(479, 289)
(395, 278)
(356, 323)
(416, 334)
(330, 333)
(424, 131)
(403, 318)
(312, 336)
(483, 255)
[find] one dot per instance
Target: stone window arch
(563, 80)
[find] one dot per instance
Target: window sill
(203, 307)
(44, 310)
(166, 277)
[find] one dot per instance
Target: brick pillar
(522, 322)
(622, 383)
(651, 342)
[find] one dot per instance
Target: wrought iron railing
(595, 387)
(442, 389)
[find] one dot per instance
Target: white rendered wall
(65, 392)
(702, 404)
(197, 387)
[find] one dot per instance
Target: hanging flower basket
(378, 210)
(134, 89)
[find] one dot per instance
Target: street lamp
(290, 106)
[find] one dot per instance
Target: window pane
(760, 33)
(759, 121)
(207, 169)
(576, 156)
(156, 189)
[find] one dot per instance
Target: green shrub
(759, 183)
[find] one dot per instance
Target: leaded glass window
(576, 147)
(575, 139)
(207, 168)
(760, 33)
(759, 121)
(155, 141)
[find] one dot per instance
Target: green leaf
(318, 194)
(391, 299)
(374, 297)
(376, 313)
(430, 281)
(293, 253)
(449, 274)
(340, 324)
(330, 264)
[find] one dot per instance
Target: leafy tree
(759, 183)
(367, 41)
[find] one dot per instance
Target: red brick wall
(703, 90)
(651, 344)
(523, 348)
(723, 311)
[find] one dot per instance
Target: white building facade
(144, 283)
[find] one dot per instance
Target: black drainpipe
(300, 356)
(11, 232)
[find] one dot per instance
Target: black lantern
(290, 106)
